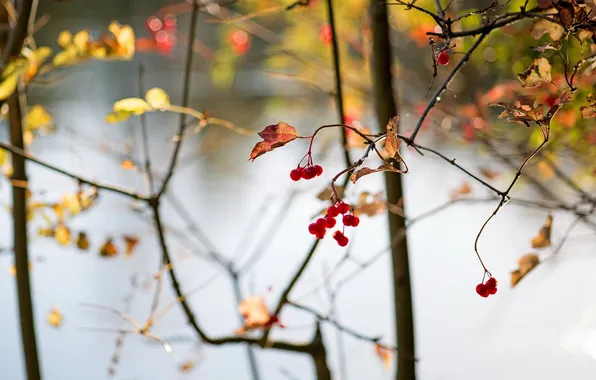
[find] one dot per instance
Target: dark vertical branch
(338, 87)
(145, 133)
(385, 109)
(252, 359)
(20, 241)
(319, 355)
(12, 48)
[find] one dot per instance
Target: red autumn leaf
(274, 136)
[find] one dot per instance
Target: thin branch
(20, 152)
(143, 118)
(185, 97)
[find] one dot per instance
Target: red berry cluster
(308, 172)
(163, 32)
(319, 228)
(487, 288)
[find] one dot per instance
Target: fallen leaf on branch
(274, 136)
(525, 264)
(54, 317)
(386, 167)
(543, 238)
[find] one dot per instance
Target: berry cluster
(320, 226)
(308, 172)
(487, 288)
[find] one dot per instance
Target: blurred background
(258, 71)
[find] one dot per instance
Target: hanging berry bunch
(484, 289)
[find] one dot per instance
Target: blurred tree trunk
(385, 107)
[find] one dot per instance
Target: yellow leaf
(157, 98)
(545, 170)
(128, 165)
(543, 238)
(125, 37)
(71, 202)
(55, 317)
(3, 157)
(64, 38)
(99, 52)
(81, 42)
(62, 234)
(115, 117)
(38, 117)
(67, 57)
(135, 105)
(384, 354)
(36, 58)
(8, 85)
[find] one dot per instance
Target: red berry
(355, 221)
(348, 220)
(309, 172)
(319, 169)
(320, 233)
(321, 223)
(343, 241)
(329, 222)
(337, 234)
(325, 34)
(482, 290)
(296, 174)
(313, 228)
(332, 211)
(443, 58)
(491, 283)
(343, 207)
(492, 290)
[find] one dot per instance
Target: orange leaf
(464, 189)
(543, 238)
(108, 249)
(489, 173)
(384, 354)
(131, 242)
(526, 263)
(128, 165)
(274, 136)
(255, 313)
(392, 142)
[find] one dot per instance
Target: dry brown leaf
(130, 242)
(386, 167)
(543, 238)
(274, 136)
(326, 193)
(187, 366)
(82, 241)
(108, 249)
(463, 189)
(542, 26)
(538, 73)
(370, 205)
(391, 141)
(525, 264)
(54, 317)
(489, 173)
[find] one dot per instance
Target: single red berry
(329, 222)
(338, 234)
(320, 233)
(321, 223)
(343, 241)
(482, 290)
(325, 34)
(343, 207)
(296, 174)
(332, 211)
(313, 228)
(443, 58)
(492, 290)
(347, 220)
(319, 169)
(309, 172)
(355, 221)
(491, 283)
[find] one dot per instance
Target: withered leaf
(463, 189)
(525, 264)
(384, 354)
(130, 242)
(386, 167)
(82, 241)
(566, 14)
(327, 192)
(589, 112)
(108, 249)
(489, 173)
(542, 26)
(391, 141)
(255, 313)
(542, 240)
(62, 234)
(187, 366)
(274, 136)
(370, 205)
(538, 73)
